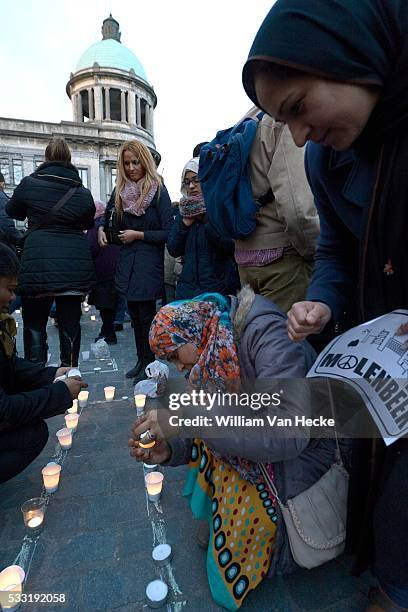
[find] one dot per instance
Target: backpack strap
(260, 116)
(50, 214)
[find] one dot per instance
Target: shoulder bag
(315, 520)
(50, 214)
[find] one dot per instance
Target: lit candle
(156, 593)
(140, 401)
(33, 513)
(65, 438)
(74, 372)
(154, 483)
(83, 398)
(162, 554)
(11, 583)
(71, 421)
(74, 407)
(109, 393)
(145, 440)
(93, 318)
(51, 475)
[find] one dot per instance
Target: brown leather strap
(50, 214)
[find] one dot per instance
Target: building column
(74, 100)
(138, 113)
(98, 103)
(107, 103)
(122, 106)
(91, 104)
(79, 104)
(151, 111)
(132, 107)
(102, 181)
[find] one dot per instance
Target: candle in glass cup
(109, 393)
(93, 318)
(83, 398)
(71, 421)
(51, 475)
(11, 583)
(74, 407)
(65, 438)
(154, 484)
(140, 401)
(33, 513)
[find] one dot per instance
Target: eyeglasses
(195, 180)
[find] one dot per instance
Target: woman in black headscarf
(337, 73)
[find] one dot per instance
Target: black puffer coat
(56, 257)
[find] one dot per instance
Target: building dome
(110, 53)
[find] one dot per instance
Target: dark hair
(197, 148)
(9, 264)
(2, 180)
(58, 150)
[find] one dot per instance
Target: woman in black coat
(56, 262)
(145, 217)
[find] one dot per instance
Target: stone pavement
(99, 529)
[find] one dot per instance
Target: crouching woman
(224, 344)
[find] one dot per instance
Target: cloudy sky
(192, 52)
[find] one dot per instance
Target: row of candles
(12, 577)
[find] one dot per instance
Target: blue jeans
(121, 312)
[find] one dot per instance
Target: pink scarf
(132, 200)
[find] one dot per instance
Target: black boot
(35, 346)
(135, 371)
(147, 354)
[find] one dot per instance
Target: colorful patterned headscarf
(205, 322)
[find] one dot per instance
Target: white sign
(374, 360)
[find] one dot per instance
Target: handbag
(112, 228)
(315, 520)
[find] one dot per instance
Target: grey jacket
(265, 352)
(9, 234)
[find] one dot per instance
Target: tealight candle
(109, 393)
(93, 318)
(65, 438)
(150, 468)
(51, 475)
(162, 554)
(33, 513)
(140, 401)
(71, 421)
(145, 440)
(11, 582)
(154, 483)
(83, 398)
(74, 372)
(156, 593)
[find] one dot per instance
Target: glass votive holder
(150, 468)
(11, 586)
(162, 554)
(71, 421)
(154, 484)
(64, 438)
(145, 440)
(51, 475)
(93, 318)
(83, 398)
(156, 593)
(85, 355)
(109, 393)
(33, 514)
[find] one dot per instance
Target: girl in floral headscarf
(223, 343)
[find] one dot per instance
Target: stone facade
(109, 104)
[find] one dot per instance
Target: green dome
(110, 53)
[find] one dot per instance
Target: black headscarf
(359, 41)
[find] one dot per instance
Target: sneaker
(134, 371)
(111, 339)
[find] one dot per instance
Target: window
(5, 169)
(143, 105)
(83, 174)
(17, 171)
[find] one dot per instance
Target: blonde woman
(145, 218)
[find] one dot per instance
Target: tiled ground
(99, 530)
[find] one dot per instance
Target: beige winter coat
(277, 163)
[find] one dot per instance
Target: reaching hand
(75, 384)
(61, 371)
(305, 318)
(159, 453)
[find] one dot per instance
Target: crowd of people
(326, 254)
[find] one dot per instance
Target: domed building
(112, 101)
